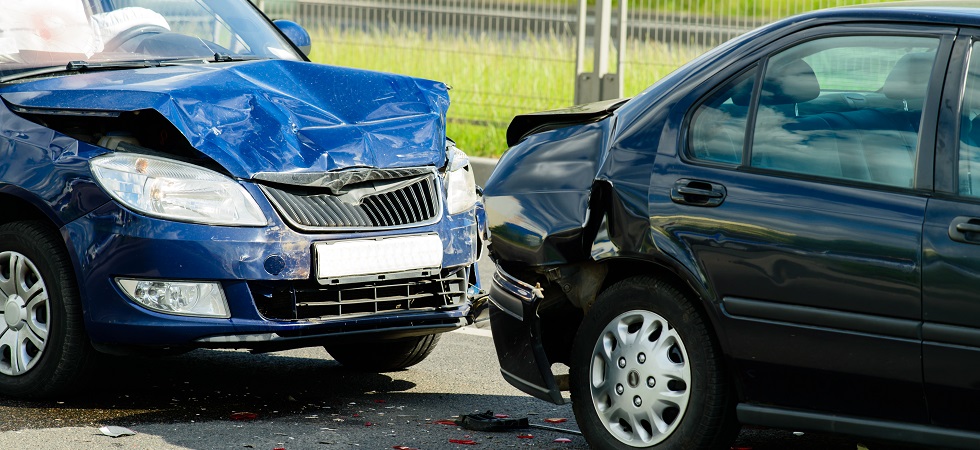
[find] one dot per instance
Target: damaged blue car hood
(270, 116)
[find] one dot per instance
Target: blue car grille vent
(309, 300)
(372, 204)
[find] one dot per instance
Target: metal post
(612, 83)
(600, 37)
(585, 89)
(599, 84)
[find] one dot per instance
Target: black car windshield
(36, 34)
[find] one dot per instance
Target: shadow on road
(200, 385)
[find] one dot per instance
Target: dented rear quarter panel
(592, 192)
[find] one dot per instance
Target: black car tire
(384, 355)
(33, 262)
(645, 375)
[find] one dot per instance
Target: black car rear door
(814, 250)
(951, 251)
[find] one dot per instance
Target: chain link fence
(507, 57)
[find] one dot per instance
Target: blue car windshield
(38, 34)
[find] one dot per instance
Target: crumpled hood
(270, 116)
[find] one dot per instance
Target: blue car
(177, 175)
(782, 233)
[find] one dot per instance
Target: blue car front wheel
(43, 346)
(384, 355)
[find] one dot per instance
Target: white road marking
(485, 332)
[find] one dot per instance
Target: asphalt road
(304, 400)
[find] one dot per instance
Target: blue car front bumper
(267, 277)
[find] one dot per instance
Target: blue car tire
(384, 355)
(43, 345)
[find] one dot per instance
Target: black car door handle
(697, 193)
(965, 229)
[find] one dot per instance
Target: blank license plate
(358, 257)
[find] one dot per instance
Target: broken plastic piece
(243, 415)
(501, 416)
(563, 440)
(488, 422)
(403, 447)
(525, 436)
(537, 291)
(463, 441)
(114, 431)
(446, 422)
(556, 420)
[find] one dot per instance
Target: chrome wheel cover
(640, 378)
(24, 330)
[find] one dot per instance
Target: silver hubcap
(24, 329)
(640, 378)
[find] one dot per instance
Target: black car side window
(717, 131)
(845, 107)
(969, 158)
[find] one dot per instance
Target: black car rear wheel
(646, 372)
(43, 345)
(384, 355)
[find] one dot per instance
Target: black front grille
(309, 300)
(395, 203)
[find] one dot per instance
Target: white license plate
(360, 257)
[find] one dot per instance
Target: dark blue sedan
(177, 175)
(784, 232)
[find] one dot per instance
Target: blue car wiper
(222, 57)
(81, 66)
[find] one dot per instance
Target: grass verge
(491, 80)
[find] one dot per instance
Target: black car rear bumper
(517, 338)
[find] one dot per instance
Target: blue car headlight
(460, 185)
(175, 190)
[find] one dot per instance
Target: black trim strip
(819, 317)
(951, 335)
(931, 436)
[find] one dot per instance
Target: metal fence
(505, 57)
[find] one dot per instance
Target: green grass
(491, 80)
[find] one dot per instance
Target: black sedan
(783, 233)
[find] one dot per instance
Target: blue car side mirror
(296, 33)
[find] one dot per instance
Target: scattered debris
(403, 447)
(463, 441)
(243, 415)
(501, 416)
(563, 440)
(556, 420)
(489, 422)
(797, 433)
(446, 422)
(114, 431)
(525, 436)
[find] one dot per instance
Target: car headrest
(789, 83)
(909, 77)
